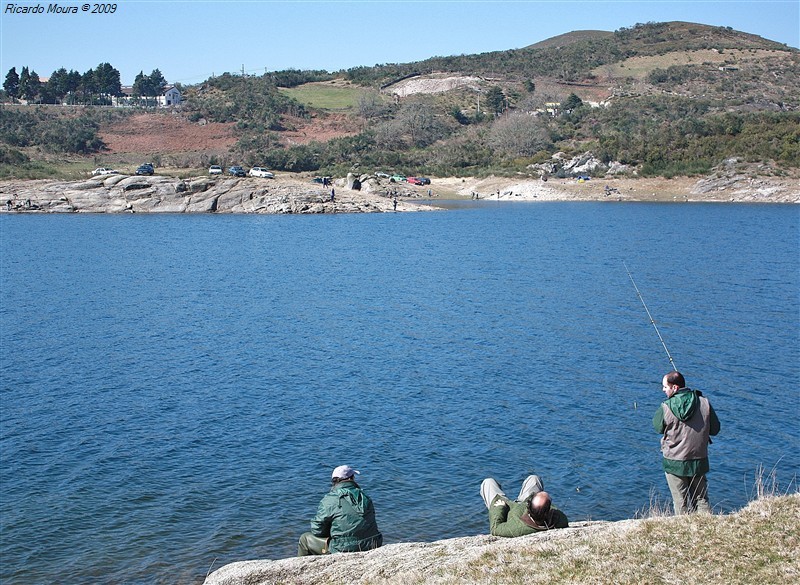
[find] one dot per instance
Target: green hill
(674, 98)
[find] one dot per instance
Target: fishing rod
(650, 316)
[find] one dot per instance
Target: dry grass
(757, 545)
(640, 67)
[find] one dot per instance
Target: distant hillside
(573, 56)
(651, 99)
(571, 38)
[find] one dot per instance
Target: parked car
(145, 169)
(424, 180)
(104, 171)
(215, 170)
(413, 181)
(237, 171)
(322, 180)
(261, 172)
(397, 179)
(381, 175)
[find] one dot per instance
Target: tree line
(97, 86)
(52, 130)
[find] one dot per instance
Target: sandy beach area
(738, 188)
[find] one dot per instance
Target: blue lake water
(175, 390)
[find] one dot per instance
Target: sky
(190, 41)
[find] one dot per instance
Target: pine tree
(495, 100)
(32, 88)
(24, 79)
(11, 84)
(108, 80)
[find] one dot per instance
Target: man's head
(342, 473)
(539, 508)
(672, 382)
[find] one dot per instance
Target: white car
(261, 172)
(104, 171)
(215, 170)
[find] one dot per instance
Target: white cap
(343, 472)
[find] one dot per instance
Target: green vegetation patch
(325, 96)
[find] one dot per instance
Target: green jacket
(513, 519)
(346, 516)
(686, 422)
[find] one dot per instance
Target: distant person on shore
(531, 512)
(345, 520)
(333, 195)
(686, 421)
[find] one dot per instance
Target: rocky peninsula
(165, 194)
(757, 544)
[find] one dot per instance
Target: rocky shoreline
(661, 549)
(162, 194)
(290, 194)
(716, 188)
(394, 563)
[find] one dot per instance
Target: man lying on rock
(531, 512)
(345, 520)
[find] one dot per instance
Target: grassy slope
(325, 95)
(756, 545)
(641, 66)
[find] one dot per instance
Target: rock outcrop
(698, 548)
(735, 180)
(159, 194)
(395, 563)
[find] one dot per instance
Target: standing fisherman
(686, 420)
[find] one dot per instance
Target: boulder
(583, 165)
(617, 168)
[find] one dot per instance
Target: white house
(170, 97)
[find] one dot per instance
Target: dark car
(424, 180)
(145, 169)
(237, 171)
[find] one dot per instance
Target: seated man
(345, 520)
(531, 512)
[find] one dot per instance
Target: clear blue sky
(191, 40)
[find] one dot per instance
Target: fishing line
(650, 316)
